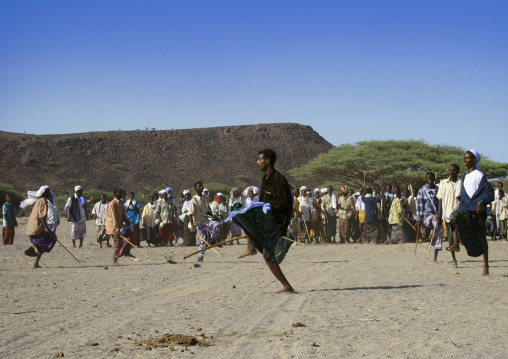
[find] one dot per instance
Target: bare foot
(485, 271)
(286, 290)
(453, 248)
(109, 245)
(38, 266)
(115, 262)
(248, 253)
(200, 260)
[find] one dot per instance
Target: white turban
(77, 188)
(206, 190)
(162, 191)
(33, 196)
(185, 192)
(477, 155)
(303, 188)
(220, 194)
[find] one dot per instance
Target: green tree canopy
(379, 162)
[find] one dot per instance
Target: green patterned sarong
(265, 234)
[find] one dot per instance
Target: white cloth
(52, 216)
(248, 201)
(77, 188)
(33, 196)
(99, 210)
(472, 182)
(448, 192)
(253, 188)
(477, 155)
(305, 207)
(334, 200)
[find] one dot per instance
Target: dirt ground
(352, 301)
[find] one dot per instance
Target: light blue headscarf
(477, 155)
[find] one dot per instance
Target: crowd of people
(380, 214)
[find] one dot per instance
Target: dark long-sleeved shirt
(276, 191)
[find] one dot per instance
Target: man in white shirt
(198, 218)
(449, 197)
(99, 214)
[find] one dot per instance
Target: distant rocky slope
(130, 159)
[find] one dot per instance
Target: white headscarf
(185, 191)
(33, 196)
(77, 188)
(477, 155)
(253, 188)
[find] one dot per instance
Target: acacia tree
(378, 162)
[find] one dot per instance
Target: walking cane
(125, 239)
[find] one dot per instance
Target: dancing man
(42, 239)
(266, 226)
(469, 220)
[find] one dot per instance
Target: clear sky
(353, 70)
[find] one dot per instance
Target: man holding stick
(266, 225)
(198, 218)
(115, 219)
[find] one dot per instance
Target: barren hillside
(130, 159)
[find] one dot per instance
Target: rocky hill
(130, 159)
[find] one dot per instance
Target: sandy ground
(353, 300)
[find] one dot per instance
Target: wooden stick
(214, 245)
(56, 239)
(425, 240)
(416, 242)
(68, 251)
(125, 239)
(66, 232)
(204, 240)
(428, 252)
(289, 239)
(305, 224)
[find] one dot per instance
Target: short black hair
(268, 154)
(430, 173)
(502, 184)
(118, 190)
(198, 182)
(131, 193)
(456, 166)
(368, 190)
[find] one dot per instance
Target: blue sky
(353, 70)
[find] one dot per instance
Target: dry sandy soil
(353, 301)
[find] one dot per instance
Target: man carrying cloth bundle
(265, 223)
(469, 220)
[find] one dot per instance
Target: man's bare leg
(250, 249)
(80, 242)
(277, 272)
(454, 260)
(455, 246)
(435, 255)
(486, 263)
(115, 261)
(36, 264)
(73, 243)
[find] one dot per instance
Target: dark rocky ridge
(130, 159)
